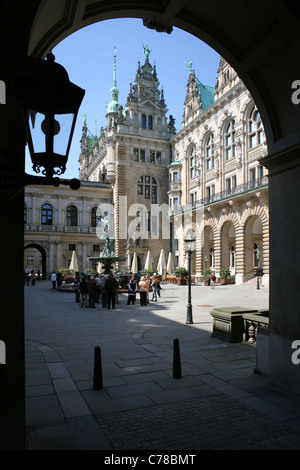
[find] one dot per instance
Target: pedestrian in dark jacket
(92, 291)
(76, 287)
(111, 285)
(83, 292)
(132, 288)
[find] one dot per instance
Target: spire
(114, 105)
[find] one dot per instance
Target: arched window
(147, 187)
(209, 152)
(192, 162)
(230, 140)
(72, 216)
(47, 215)
(254, 128)
(94, 217)
(144, 119)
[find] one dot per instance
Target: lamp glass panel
(61, 139)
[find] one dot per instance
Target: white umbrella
(74, 263)
(162, 267)
(148, 264)
(134, 266)
(170, 264)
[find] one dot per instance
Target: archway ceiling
(259, 38)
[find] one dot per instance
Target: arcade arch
(35, 258)
(255, 45)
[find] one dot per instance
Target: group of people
(104, 289)
(90, 290)
(144, 286)
(31, 276)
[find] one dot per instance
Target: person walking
(132, 288)
(111, 285)
(143, 291)
(92, 291)
(83, 292)
(154, 288)
(53, 280)
(33, 276)
(76, 283)
(98, 281)
(148, 282)
(103, 292)
(212, 281)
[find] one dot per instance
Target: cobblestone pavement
(217, 403)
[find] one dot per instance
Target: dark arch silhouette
(43, 253)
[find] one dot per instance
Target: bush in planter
(225, 276)
(181, 274)
(206, 273)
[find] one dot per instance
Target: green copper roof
(206, 93)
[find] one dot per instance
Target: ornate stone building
(133, 154)
(158, 183)
(58, 221)
(216, 182)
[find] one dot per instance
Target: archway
(228, 246)
(254, 255)
(256, 44)
(38, 263)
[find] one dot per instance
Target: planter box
(181, 281)
(228, 323)
(225, 281)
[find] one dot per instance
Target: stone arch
(42, 250)
(250, 226)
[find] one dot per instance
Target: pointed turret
(198, 97)
(114, 105)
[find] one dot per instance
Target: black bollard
(98, 385)
(176, 360)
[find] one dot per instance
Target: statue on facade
(146, 51)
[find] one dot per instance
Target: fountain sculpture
(107, 258)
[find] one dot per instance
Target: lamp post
(257, 271)
(190, 245)
(50, 104)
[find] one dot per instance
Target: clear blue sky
(87, 55)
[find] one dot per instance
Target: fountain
(107, 258)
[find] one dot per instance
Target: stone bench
(228, 323)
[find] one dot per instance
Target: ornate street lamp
(50, 104)
(189, 246)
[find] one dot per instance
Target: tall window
(209, 152)
(150, 122)
(139, 155)
(230, 141)
(47, 214)
(192, 162)
(25, 214)
(94, 217)
(147, 186)
(144, 120)
(72, 216)
(254, 129)
(155, 157)
(230, 184)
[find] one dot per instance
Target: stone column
(284, 328)
(239, 255)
